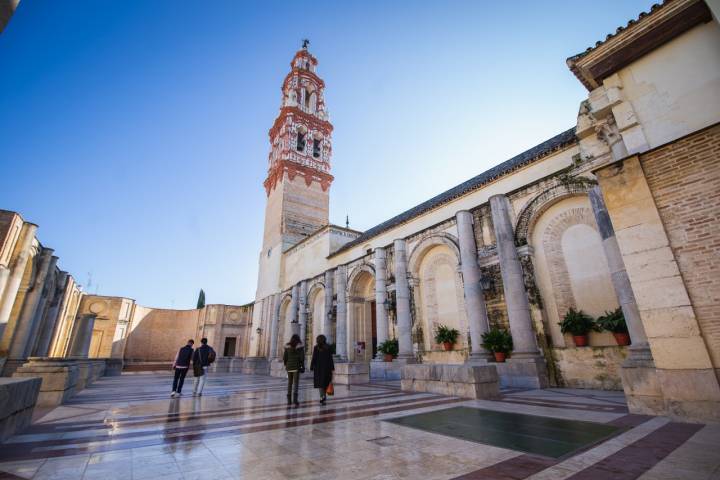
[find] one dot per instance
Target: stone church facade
(620, 210)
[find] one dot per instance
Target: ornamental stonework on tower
(300, 138)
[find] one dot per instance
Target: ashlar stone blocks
(465, 381)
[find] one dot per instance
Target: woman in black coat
(322, 367)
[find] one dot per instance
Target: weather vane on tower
(305, 43)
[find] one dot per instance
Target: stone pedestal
(351, 373)
(256, 366)
(465, 381)
(523, 373)
(17, 401)
(113, 367)
(380, 370)
(83, 377)
(220, 365)
(277, 369)
(59, 379)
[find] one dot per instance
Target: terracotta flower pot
(580, 340)
(447, 346)
(622, 339)
(500, 356)
(387, 357)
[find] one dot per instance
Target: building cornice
(639, 37)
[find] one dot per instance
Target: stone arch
(570, 265)
(284, 322)
(538, 205)
(426, 244)
(361, 313)
(316, 313)
(439, 299)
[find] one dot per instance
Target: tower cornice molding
(309, 174)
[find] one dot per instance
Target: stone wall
(684, 178)
(589, 367)
(157, 334)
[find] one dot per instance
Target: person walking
(322, 367)
(202, 359)
(181, 365)
(294, 360)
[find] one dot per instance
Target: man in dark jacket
(181, 365)
(202, 358)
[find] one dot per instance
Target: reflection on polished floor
(128, 428)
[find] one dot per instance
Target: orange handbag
(330, 390)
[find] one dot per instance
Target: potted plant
(499, 342)
(615, 322)
(578, 324)
(389, 348)
(446, 336)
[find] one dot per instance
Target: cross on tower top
(305, 43)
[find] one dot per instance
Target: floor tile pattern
(127, 427)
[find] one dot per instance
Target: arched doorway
(284, 329)
(362, 327)
(316, 315)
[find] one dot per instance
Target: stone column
(302, 312)
(341, 326)
(17, 269)
(381, 316)
(274, 327)
(402, 297)
(26, 322)
(4, 275)
(51, 318)
(474, 300)
(82, 335)
(516, 299)
(327, 319)
(294, 326)
(619, 277)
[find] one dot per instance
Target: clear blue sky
(135, 132)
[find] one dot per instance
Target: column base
(465, 381)
(351, 373)
(523, 372)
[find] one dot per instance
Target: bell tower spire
(298, 179)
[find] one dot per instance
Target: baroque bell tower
(298, 180)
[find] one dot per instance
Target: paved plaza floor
(128, 427)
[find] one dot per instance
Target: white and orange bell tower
(298, 180)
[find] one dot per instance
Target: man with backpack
(180, 366)
(202, 359)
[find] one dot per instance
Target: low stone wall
(61, 377)
(590, 367)
(255, 366)
(465, 381)
(385, 370)
(17, 402)
(351, 373)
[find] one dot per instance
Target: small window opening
(300, 142)
(316, 148)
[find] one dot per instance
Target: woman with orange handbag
(322, 367)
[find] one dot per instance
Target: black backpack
(211, 356)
